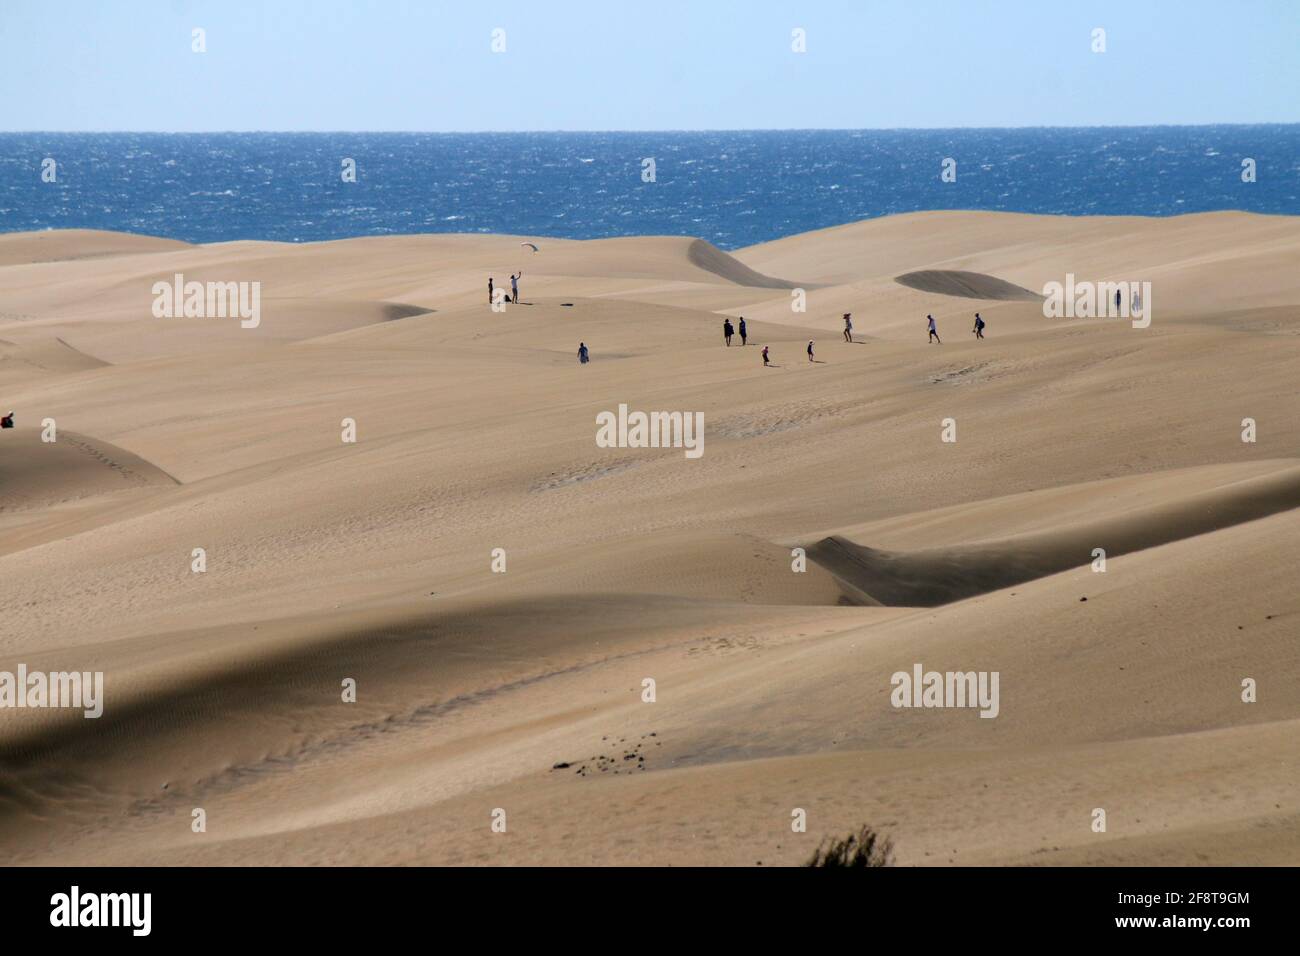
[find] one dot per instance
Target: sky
(424, 65)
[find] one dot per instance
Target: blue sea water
(732, 188)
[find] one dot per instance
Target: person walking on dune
(514, 286)
(934, 332)
(810, 353)
(848, 326)
(727, 331)
(490, 292)
(583, 357)
(743, 334)
(979, 327)
(765, 359)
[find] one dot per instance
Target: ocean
(731, 188)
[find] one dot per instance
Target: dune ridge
(712, 259)
(935, 576)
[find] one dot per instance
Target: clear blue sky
(652, 65)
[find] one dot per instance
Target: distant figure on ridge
(979, 327)
(489, 290)
(810, 353)
(765, 361)
(7, 421)
(583, 357)
(727, 331)
(934, 332)
(743, 334)
(1118, 300)
(848, 326)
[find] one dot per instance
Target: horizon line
(738, 129)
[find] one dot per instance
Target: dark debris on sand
(629, 760)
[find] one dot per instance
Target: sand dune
(38, 474)
(500, 587)
(42, 359)
(65, 244)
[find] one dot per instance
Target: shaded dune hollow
(967, 285)
(934, 576)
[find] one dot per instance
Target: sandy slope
(476, 430)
